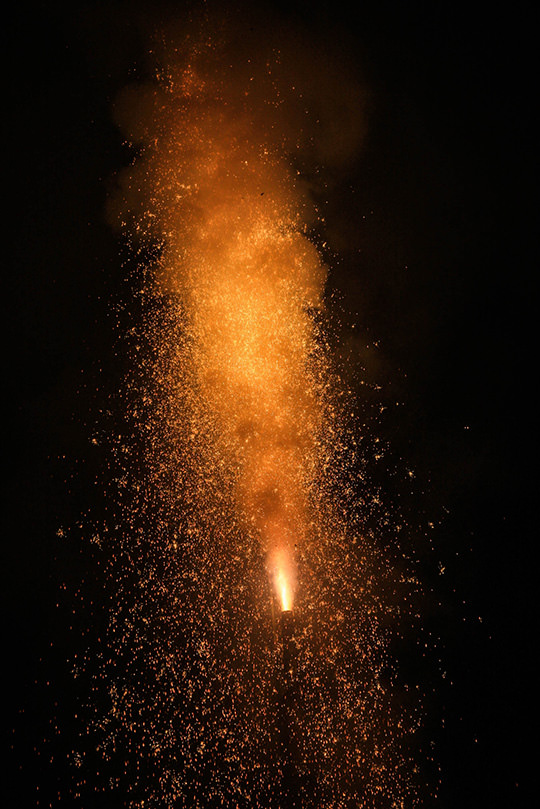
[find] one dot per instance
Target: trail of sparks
(230, 492)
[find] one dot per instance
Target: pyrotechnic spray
(241, 443)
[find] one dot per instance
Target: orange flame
(284, 590)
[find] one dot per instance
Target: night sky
(431, 224)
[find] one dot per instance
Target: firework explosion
(232, 497)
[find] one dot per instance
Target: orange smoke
(223, 202)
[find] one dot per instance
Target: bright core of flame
(284, 590)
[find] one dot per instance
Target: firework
(231, 471)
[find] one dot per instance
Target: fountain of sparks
(228, 471)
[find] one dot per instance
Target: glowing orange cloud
(226, 208)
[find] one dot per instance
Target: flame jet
(216, 191)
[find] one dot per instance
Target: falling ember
(230, 461)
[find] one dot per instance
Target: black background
(435, 225)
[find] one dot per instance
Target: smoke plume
(231, 136)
